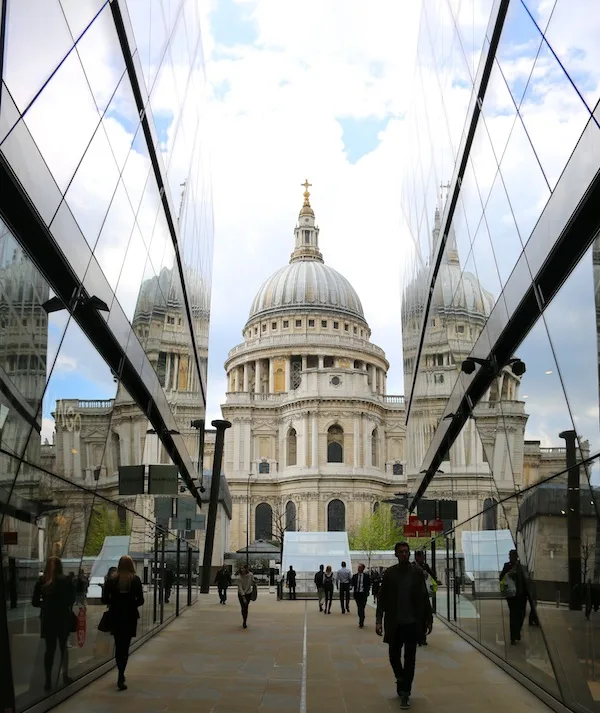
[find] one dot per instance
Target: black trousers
(51, 641)
(516, 616)
(361, 602)
(405, 637)
(328, 591)
(222, 593)
(292, 591)
(244, 603)
(122, 642)
(345, 596)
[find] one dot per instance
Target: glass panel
(63, 120)
(80, 13)
(37, 40)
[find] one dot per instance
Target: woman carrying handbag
(246, 591)
(123, 593)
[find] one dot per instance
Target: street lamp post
(248, 518)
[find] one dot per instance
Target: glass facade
(501, 330)
(106, 246)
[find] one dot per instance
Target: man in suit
(403, 607)
(291, 581)
(361, 586)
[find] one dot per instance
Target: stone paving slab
(205, 662)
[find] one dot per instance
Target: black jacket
(55, 601)
(319, 578)
(123, 606)
(290, 577)
(223, 578)
(366, 583)
(387, 601)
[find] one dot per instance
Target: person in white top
(343, 577)
(245, 585)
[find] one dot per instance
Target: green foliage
(378, 531)
(424, 543)
(104, 522)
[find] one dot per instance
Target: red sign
(418, 528)
(81, 627)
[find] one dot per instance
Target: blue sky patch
(361, 136)
(231, 25)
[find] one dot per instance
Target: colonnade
(273, 374)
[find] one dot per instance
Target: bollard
(213, 503)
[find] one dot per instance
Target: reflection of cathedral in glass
(23, 352)
(490, 457)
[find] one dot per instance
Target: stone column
(175, 372)
(302, 442)
(304, 362)
(247, 429)
(288, 374)
(372, 372)
(257, 376)
(271, 377)
(282, 444)
(366, 441)
(236, 445)
(320, 361)
(315, 441)
(246, 380)
(356, 441)
(168, 373)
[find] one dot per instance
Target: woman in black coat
(54, 595)
(123, 593)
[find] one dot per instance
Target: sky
(308, 90)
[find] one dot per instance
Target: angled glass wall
(105, 281)
(501, 331)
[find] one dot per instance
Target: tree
(377, 531)
(279, 527)
(104, 522)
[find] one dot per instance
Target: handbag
(105, 623)
(253, 593)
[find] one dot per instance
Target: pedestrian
(291, 581)
(402, 608)
(223, 580)
(361, 586)
(431, 582)
(514, 587)
(123, 594)
(343, 577)
(375, 584)
(245, 586)
(169, 576)
(328, 578)
(54, 595)
(319, 585)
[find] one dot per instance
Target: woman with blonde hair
(123, 593)
(54, 594)
(328, 588)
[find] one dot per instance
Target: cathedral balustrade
(393, 399)
(247, 397)
(96, 404)
(288, 340)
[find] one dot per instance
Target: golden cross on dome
(306, 185)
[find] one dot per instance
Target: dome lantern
(306, 232)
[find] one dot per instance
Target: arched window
(263, 522)
(375, 448)
(336, 516)
(291, 447)
(375, 507)
(335, 444)
(490, 514)
(290, 516)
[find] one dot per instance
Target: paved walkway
(206, 663)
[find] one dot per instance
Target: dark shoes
(121, 685)
(245, 625)
(404, 701)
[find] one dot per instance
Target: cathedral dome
(306, 285)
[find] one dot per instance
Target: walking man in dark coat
(402, 609)
(361, 586)
(223, 580)
(291, 581)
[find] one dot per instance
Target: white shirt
(344, 575)
(359, 582)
